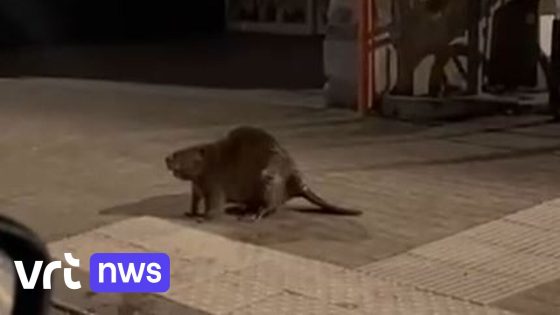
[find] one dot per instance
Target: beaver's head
(187, 164)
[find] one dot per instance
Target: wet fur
(247, 167)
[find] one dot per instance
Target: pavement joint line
(517, 250)
(226, 277)
(530, 225)
(487, 263)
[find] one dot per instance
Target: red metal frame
(366, 80)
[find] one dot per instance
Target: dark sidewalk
(229, 61)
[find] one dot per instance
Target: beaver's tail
(297, 188)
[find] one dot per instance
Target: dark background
(166, 42)
(31, 22)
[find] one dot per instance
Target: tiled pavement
(487, 263)
(472, 272)
(81, 155)
(220, 276)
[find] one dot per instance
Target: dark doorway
(514, 49)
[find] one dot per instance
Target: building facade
(436, 48)
(446, 48)
(294, 17)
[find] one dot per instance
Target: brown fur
(247, 167)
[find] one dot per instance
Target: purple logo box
(129, 272)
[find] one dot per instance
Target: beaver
(247, 167)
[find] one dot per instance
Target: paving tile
(222, 294)
(287, 303)
(517, 237)
(437, 276)
(486, 263)
(192, 244)
(115, 303)
(84, 245)
(139, 230)
(541, 300)
(545, 216)
(491, 258)
(422, 303)
(307, 277)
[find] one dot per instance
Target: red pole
(372, 13)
